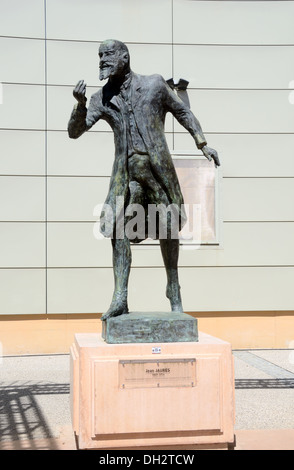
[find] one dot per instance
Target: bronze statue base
(150, 327)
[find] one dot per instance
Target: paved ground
(35, 408)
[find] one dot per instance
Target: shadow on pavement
(21, 417)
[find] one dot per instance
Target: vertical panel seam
(173, 71)
(46, 163)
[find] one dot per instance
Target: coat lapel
(136, 90)
(115, 102)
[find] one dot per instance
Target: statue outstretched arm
(187, 119)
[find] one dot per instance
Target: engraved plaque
(155, 374)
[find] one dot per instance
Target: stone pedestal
(152, 395)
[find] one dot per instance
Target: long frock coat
(150, 100)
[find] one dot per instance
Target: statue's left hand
(211, 154)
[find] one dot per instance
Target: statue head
(114, 59)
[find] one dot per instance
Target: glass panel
(197, 181)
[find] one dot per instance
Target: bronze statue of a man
(143, 173)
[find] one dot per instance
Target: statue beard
(117, 69)
(105, 72)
